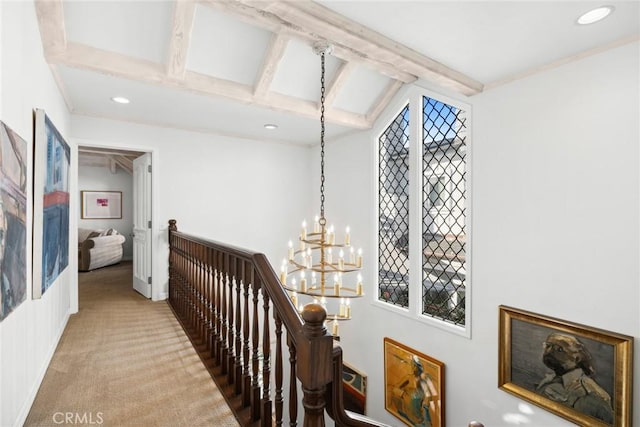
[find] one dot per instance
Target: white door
(142, 225)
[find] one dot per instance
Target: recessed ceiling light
(120, 100)
(595, 15)
(270, 126)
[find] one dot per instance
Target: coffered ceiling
(230, 66)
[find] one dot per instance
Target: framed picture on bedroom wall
(52, 157)
(101, 204)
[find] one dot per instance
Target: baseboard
(24, 412)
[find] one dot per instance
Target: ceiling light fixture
(270, 126)
(595, 15)
(314, 261)
(120, 100)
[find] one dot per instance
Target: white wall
(31, 332)
(95, 178)
(246, 193)
(555, 216)
(555, 228)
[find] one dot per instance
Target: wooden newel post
(314, 364)
(172, 291)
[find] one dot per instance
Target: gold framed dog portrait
(414, 385)
(580, 373)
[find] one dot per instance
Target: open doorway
(118, 182)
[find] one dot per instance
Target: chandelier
(319, 263)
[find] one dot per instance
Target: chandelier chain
(322, 218)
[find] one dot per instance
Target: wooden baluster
(230, 330)
(191, 291)
(210, 297)
(223, 302)
(185, 284)
(278, 398)
(198, 291)
(220, 305)
(246, 395)
(189, 283)
(214, 301)
(265, 413)
(255, 360)
(238, 357)
(194, 289)
(203, 294)
(176, 274)
(293, 385)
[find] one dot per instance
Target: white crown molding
(560, 62)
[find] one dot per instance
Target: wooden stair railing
(215, 291)
(233, 308)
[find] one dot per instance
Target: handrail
(212, 288)
(219, 271)
(334, 397)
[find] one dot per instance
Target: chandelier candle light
(312, 265)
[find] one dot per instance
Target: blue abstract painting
(13, 217)
(53, 157)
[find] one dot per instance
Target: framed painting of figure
(414, 386)
(578, 372)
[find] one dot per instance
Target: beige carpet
(125, 361)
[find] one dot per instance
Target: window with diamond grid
(393, 214)
(443, 211)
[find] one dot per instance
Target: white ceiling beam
(274, 54)
(258, 14)
(370, 46)
(383, 100)
(124, 163)
(181, 28)
(50, 15)
(338, 82)
(111, 63)
(115, 64)
(310, 109)
(110, 151)
(248, 14)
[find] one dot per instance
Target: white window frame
(414, 97)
